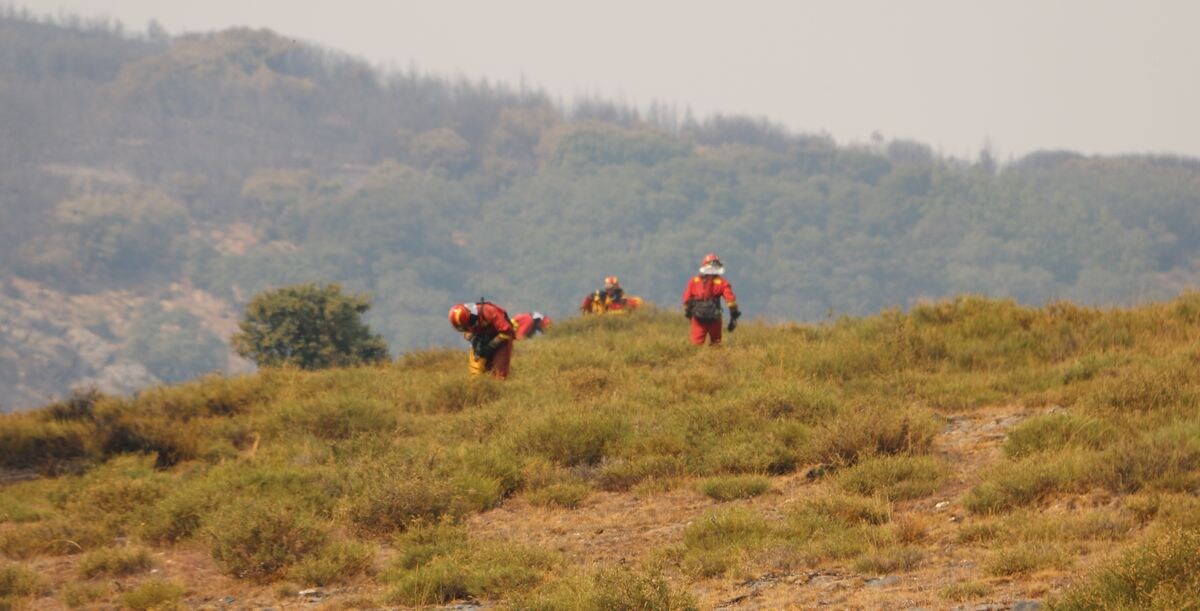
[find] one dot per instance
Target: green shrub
(869, 431)
(27, 440)
(1055, 431)
(573, 438)
(17, 510)
(114, 562)
(746, 451)
(964, 591)
(488, 571)
(153, 594)
(622, 474)
(734, 487)
(453, 396)
(56, 537)
(335, 563)
(1013, 485)
(1167, 458)
(721, 540)
(83, 593)
(850, 510)
(257, 540)
(17, 581)
(609, 589)
(394, 500)
(115, 493)
(1161, 573)
(424, 541)
(895, 478)
(1025, 558)
(122, 429)
(562, 494)
(890, 560)
(337, 418)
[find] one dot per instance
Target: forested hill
(151, 185)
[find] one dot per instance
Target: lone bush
(308, 326)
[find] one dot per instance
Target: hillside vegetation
(969, 451)
(154, 184)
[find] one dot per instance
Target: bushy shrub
(610, 589)
(1013, 485)
(719, 541)
(1163, 572)
(964, 591)
(56, 537)
(257, 540)
(896, 478)
(467, 570)
(561, 494)
(337, 417)
(868, 431)
(570, 439)
(732, 487)
(389, 501)
(153, 594)
(1025, 558)
(27, 440)
(337, 562)
(1167, 458)
(890, 560)
(453, 396)
(18, 582)
(114, 562)
(83, 593)
(622, 474)
(1055, 431)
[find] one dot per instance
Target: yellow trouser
(475, 364)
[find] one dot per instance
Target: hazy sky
(1095, 76)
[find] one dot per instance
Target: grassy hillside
(970, 451)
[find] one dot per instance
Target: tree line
(133, 161)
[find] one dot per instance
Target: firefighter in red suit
(491, 333)
(702, 301)
(529, 324)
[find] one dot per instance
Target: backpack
(706, 310)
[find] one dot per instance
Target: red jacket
(524, 323)
(709, 287)
(492, 321)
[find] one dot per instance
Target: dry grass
(617, 424)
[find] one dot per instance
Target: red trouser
(497, 364)
(711, 329)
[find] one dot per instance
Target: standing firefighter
(529, 324)
(702, 301)
(487, 327)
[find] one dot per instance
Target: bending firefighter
(529, 324)
(702, 301)
(487, 327)
(609, 300)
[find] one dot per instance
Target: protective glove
(487, 350)
(734, 315)
(687, 309)
(477, 344)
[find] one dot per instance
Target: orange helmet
(545, 320)
(711, 258)
(460, 316)
(611, 281)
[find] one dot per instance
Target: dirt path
(622, 528)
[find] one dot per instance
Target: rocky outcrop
(52, 342)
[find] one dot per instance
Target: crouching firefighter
(702, 301)
(487, 327)
(529, 324)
